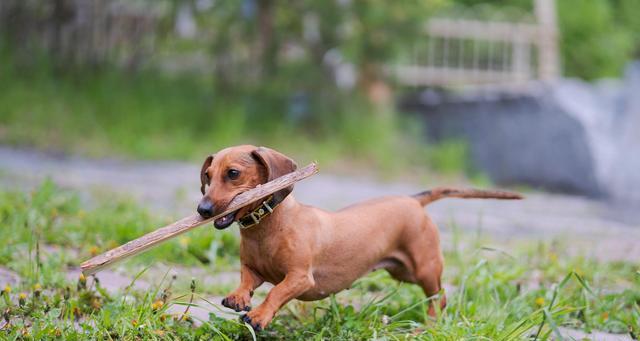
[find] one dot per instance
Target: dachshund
(309, 253)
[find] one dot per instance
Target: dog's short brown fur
(309, 253)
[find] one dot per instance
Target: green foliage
(367, 33)
(381, 28)
(51, 216)
(626, 16)
(450, 157)
(594, 42)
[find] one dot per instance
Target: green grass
(151, 115)
(496, 295)
(51, 216)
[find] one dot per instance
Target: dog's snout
(205, 208)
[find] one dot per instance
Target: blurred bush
(598, 37)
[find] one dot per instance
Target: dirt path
(594, 228)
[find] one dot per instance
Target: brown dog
(309, 253)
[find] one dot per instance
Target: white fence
(461, 52)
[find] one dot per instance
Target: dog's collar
(254, 217)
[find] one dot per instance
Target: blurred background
(540, 95)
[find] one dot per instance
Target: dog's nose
(205, 209)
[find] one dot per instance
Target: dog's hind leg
(425, 253)
(429, 279)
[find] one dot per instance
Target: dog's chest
(264, 259)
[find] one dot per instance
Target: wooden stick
(183, 225)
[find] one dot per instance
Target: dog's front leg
(294, 284)
(240, 299)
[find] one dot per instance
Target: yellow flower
(7, 289)
(37, 289)
(540, 301)
(157, 305)
(57, 332)
(82, 282)
(95, 303)
(159, 332)
(184, 241)
(93, 250)
(553, 257)
(22, 298)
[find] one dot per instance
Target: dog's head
(234, 170)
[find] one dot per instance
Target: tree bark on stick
(183, 225)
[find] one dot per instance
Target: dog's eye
(233, 174)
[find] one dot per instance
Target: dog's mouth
(224, 222)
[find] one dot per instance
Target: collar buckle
(257, 214)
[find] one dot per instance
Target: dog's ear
(204, 178)
(277, 164)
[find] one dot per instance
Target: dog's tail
(430, 196)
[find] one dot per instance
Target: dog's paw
(237, 302)
(258, 318)
(254, 324)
